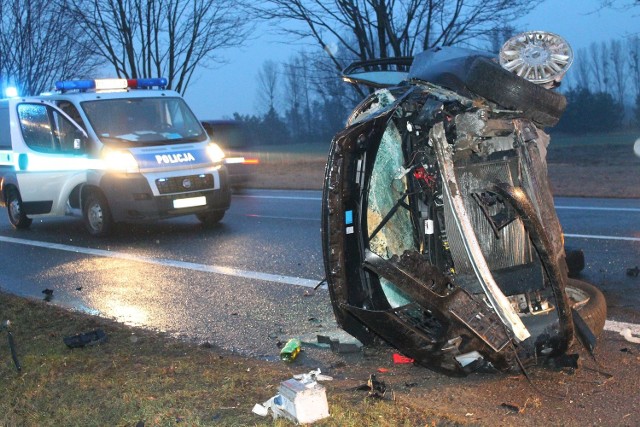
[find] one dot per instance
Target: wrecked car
(439, 230)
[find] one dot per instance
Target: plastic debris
(86, 339)
(399, 359)
(291, 350)
(312, 376)
(301, 401)
(633, 272)
(626, 333)
(338, 347)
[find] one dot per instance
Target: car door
(51, 159)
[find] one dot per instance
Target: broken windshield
(143, 121)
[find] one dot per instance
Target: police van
(109, 150)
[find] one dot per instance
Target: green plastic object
(290, 350)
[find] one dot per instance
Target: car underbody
(440, 234)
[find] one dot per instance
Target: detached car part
(438, 226)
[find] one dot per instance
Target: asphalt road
(244, 284)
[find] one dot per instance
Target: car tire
(209, 219)
(15, 209)
(589, 302)
(97, 215)
(489, 80)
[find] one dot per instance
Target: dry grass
(142, 378)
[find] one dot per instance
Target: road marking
(217, 269)
(615, 326)
(587, 236)
(596, 208)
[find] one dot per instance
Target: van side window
(46, 130)
(36, 127)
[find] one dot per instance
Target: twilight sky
(218, 93)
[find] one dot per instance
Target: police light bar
(111, 84)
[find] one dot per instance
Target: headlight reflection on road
(129, 314)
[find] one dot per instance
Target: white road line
(229, 271)
(596, 208)
(615, 326)
(587, 236)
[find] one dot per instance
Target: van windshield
(131, 122)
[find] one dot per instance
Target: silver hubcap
(14, 209)
(95, 216)
(537, 56)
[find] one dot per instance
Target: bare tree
(170, 38)
(268, 85)
(633, 47)
(618, 69)
(38, 46)
(367, 29)
(599, 62)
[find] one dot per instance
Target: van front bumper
(131, 198)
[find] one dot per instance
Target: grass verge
(140, 378)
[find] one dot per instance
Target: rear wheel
(97, 215)
(17, 216)
(209, 219)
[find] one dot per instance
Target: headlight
(120, 161)
(215, 153)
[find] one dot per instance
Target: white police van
(110, 150)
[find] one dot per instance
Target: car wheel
(589, 302)
(17, 216)
(489, 80)
(209, 219)
(97, 215)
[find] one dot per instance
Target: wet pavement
(246, 285)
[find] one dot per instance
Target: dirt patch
(588, 171)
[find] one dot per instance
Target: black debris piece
(338, 347)
(566, 361)
(86, 339)
(633, 272)
(48, 294)
(375, 387)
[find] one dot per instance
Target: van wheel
(210, 218)
(96, 214)
(17, 217)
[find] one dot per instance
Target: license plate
(189, 202)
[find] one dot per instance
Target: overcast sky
(220, 92)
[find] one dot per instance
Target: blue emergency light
(111, 84)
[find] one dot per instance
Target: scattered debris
(48, 294)
(86, 339)
(79, 288)
(633, 272)
(626, 333)
(312, 376)
(290, 350)
(302, 401)
(375, 387)
(410, 385)
(338, 347)
(12, 344)
(383, 370)
(399, 359)
(514, 408)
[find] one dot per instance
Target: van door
(52, 160)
